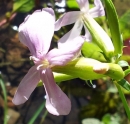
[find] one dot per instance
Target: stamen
(38, 67)
(31, 57)
(44, 64)
(34, 59)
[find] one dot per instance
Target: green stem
(37, 113)
(43, 117)
(5, 99)
(123, 100)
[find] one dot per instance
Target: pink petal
(66, 53)
(36, 31)
(98, 10)
(66, 19)
(57, 103)
(27, 86)
(84, 5)
(74, 32)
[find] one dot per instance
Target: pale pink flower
(36, 33)
(76, 17)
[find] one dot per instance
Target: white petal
(84, 5)
(98, 10)
(66, 19)
(73, 33)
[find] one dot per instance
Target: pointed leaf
(125, 84)
(114, 26)
(23, 5)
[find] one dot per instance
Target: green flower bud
(100, 37)
(90, 69)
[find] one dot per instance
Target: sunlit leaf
(72, 4)
(125, 84)
(114, 26)
(23, 5)
(123, 63)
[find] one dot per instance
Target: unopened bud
(101, 68)
(101, 38)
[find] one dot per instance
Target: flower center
(42, 64)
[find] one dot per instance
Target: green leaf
(114, 26)
(72, 4)
(122, 96)
(125, 84)
(91, 50)
(91, 121)
(36, 113)
(23, 5)
(127, 71)
(123, 63)
(111, 119)
(2, 85)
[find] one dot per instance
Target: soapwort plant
(67, 61)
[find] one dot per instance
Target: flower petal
(74, 32)
(57, 103)
(64, 54)
(66, 19)
(84, 5)
(36, 31)
(98, 10)
(27, 86)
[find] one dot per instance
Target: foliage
(23, 5)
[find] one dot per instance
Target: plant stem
(43, 117)
(127, 109)
(5, 99)
(32, 120)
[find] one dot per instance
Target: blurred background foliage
(93, 102)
